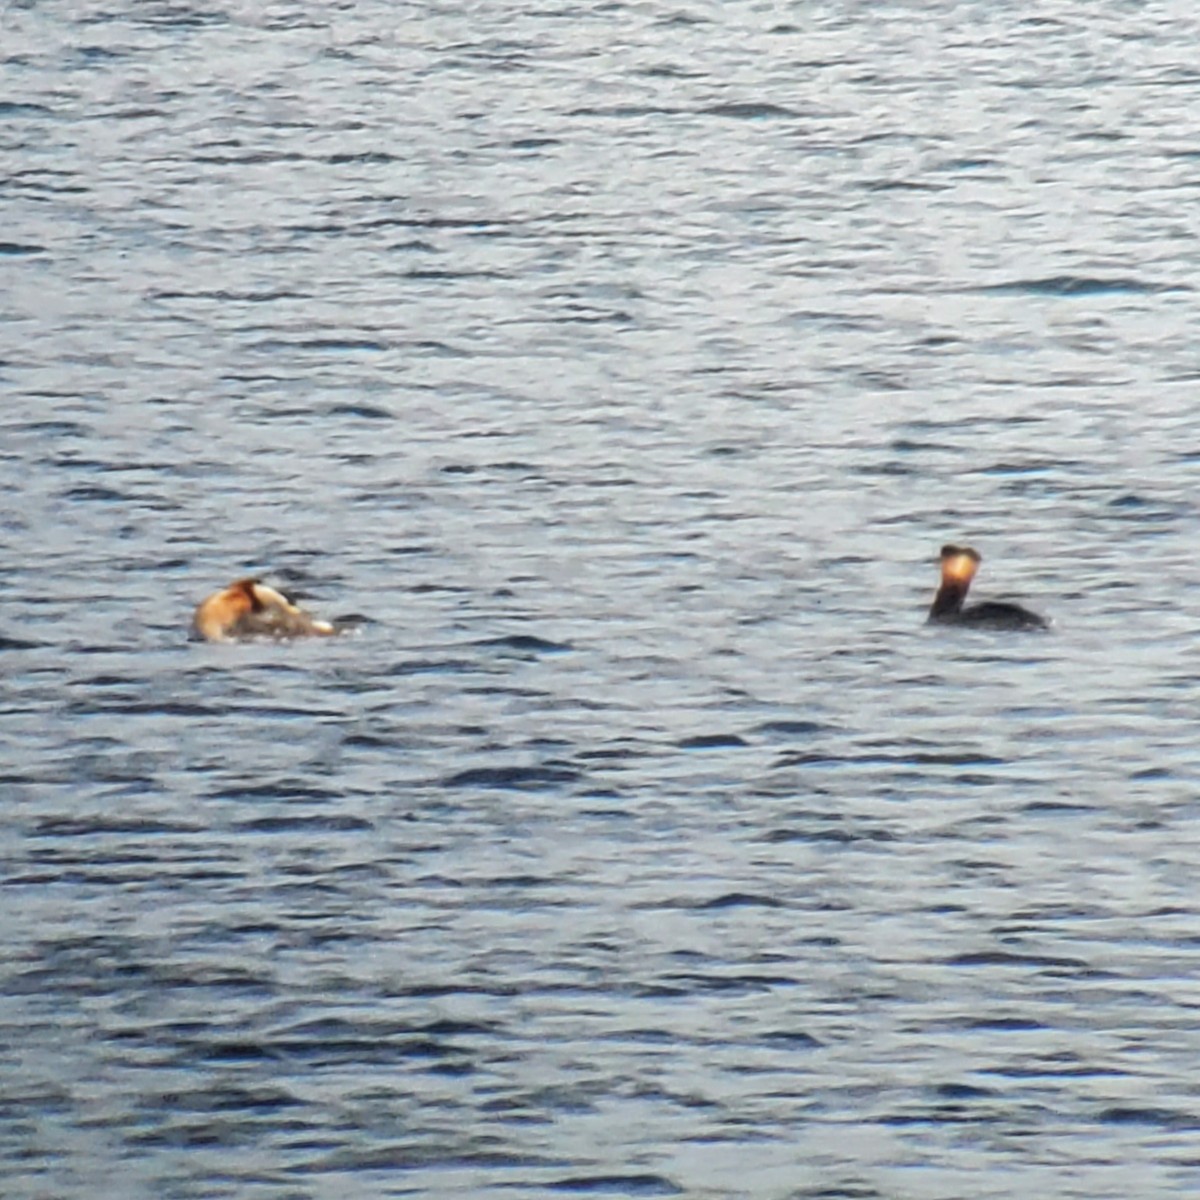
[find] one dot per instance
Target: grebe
(959, 564)
(249, 609)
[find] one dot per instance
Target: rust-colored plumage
(248, 609)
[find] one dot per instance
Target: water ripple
(619, 369)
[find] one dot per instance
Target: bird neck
(949, 599)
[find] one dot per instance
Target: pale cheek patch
(960, 569)
(269, 596)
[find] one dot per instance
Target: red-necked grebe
(249, 609)
(959, 564)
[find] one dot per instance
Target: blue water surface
(625, 364)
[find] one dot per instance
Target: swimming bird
(249, 609)
(959, 564)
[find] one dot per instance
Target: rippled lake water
(625, 364)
